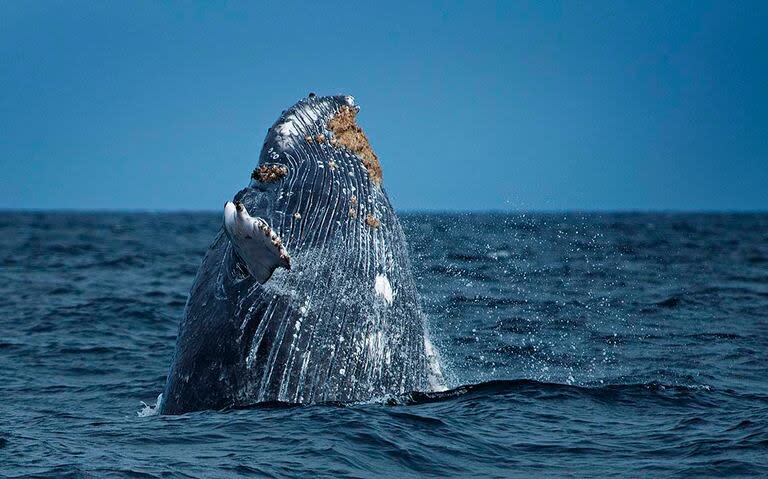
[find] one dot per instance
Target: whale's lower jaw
(344, 323)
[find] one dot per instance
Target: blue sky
(477, 105)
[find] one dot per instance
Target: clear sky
(476, 105)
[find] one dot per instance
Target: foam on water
(151, 409)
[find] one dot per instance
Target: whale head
(307, 294)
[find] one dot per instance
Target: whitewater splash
(150, 409)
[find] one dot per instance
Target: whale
(306, 294)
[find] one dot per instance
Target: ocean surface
(577, 345)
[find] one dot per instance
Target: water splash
(150, 409)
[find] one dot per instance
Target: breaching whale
(306, 294)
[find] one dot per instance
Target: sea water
(598, 345)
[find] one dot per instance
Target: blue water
(628, 345)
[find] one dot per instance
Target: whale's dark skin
(344, 322)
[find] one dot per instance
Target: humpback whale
(306, 295)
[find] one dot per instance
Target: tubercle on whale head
(372, 221)
(269, 172)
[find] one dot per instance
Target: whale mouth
(255, 242)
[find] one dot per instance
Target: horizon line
(409, 211)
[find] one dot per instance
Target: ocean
(576, 345)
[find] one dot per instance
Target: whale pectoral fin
(255, 242)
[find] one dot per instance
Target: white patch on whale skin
(287, 133)
(435, 376)
(303, 120)
(287, 128)
(382, 288)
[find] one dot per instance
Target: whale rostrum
(306, 294)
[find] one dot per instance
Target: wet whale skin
(343, 324)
